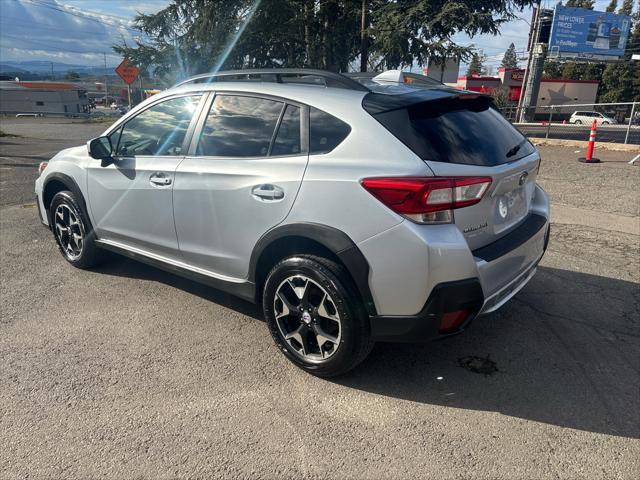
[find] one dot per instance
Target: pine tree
(626, 8)
(621, 80)
(552, 69)
(476, 66)
(193, 36)
(612, 6)
(510, 59)
(588, 4)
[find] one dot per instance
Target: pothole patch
(483, 365)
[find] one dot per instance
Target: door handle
(267, 192)
(160, 179)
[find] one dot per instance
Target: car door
(130, 197)
(241, 176)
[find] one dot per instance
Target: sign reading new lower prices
(582, 31)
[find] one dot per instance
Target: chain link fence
(616, 122)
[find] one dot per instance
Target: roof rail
(279, 75)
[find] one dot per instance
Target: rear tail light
(452, 321)
(41, 167)
(427, 199)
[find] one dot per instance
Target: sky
(69, 31)
(81, 31)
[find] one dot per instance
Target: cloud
(39, 30)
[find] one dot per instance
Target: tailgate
(506, 203)
(461, 134)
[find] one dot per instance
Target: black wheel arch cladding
(334, 240)
(70, 184)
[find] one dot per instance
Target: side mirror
(100, 148)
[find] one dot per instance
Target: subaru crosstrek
(351, 213)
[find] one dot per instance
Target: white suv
(587, 118)
(352, 214)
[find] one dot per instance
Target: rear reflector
(41, 167)
(451, 321)
(422, 198)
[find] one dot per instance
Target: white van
(587, 118)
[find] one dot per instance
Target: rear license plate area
(509, 208)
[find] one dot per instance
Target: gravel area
(129, 372)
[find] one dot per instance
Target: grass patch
(5, 134)
(108, 120)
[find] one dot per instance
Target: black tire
(578, 122)
(354, 340)
(605, 123)
(88, 255)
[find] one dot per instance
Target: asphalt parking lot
(129, 372)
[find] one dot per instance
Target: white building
(42, 97)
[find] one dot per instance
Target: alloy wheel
(69, 231)
(307, 318)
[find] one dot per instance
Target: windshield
(457, 129)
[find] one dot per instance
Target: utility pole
(364, 39)
(141, 90)
(106, 90)
(51, 70)
(533, 70)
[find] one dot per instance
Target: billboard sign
(583, 32)
(517, 75)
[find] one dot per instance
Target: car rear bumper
(425, 326)
(496, 273)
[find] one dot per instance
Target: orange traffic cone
(592, 144)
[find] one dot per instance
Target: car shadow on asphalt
(125, 267)
(564, 351)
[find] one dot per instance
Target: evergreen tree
(612, 6)
(626, 8)
(510, 59)
(476, 66)
(552, 69)
(189, 37)
(621, 80)
(588, 4)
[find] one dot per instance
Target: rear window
(463, 130)
(326, 132)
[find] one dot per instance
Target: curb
(621, 147)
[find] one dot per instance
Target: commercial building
(553, 91)
(43, 97)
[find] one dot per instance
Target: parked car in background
(352, 214)
(587, 118)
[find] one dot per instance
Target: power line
(58, 50)
(50, 6)
(73, 10)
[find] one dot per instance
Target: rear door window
(239, 126)
(287, 141)
(454, 129)
(326, 132)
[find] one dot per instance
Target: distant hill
(9, 68)
(44, 67)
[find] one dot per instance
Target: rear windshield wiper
(515, 149)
